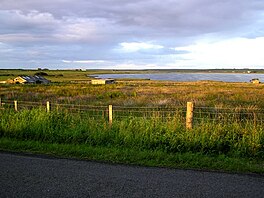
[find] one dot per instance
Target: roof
(33, 79)
(29, 79)
(105, 79)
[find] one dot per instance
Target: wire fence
(238, 114)
(197, 115)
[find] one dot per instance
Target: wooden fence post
(48, 106)
(15, 105)
(110, 114)
(189, 115)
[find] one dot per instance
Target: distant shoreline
(186, 77)
(124, 71)
(83, 75)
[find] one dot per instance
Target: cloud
(34, 26)
(16, 22)
(143, 33)
(181, 18)
(137, 46)
(239, 52)
(74, 30)
(83, 61)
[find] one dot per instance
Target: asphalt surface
(40, 176)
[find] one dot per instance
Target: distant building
(102, 81)
(255, 81)
(28, 80)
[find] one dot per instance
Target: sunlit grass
(211, 138)
(141, 94)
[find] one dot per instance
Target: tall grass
(145, 93)
(212, 138)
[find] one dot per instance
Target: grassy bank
(136, 157)
(152, 141)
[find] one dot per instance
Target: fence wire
(200, 113)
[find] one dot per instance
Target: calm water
(230, 77)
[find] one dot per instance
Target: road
(41, 176)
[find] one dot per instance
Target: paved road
(40, 176)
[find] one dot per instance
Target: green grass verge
(136, 157)
(235, 146)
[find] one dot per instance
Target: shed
(102, 81)
(255, 81)
(29, 80)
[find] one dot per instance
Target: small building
(102, 81)
(255, 81)
(29, 80)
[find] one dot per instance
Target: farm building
(102, 81)
(255, 81)
(29, 80)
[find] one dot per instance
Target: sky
(126, 34)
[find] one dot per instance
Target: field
(148, 126)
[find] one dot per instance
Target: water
(225, 77)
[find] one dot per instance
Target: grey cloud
(181, 17)
(15, 21)
(35, 26)
(82, 30)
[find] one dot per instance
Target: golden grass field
(74, 87)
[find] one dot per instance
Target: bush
(41, 74)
